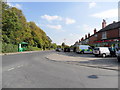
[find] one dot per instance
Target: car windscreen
(96, 48)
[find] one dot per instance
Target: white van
(83, 49)
(101, 51)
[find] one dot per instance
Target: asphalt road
(33, 70)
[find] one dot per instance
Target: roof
(23, 43)
(111, 26)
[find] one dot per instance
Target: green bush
(0, 47)
(30, 48)
(6, 48)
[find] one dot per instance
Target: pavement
(13, 53)
(34, 70)
(88, 60)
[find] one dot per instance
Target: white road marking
(19, 66)
(11, 69)
(14, 68)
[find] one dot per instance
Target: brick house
(108, 36)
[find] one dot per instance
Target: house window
(104, 35)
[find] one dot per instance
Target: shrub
(30, 48)
(9, 48)
(6, 48)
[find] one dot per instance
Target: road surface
(34, 70)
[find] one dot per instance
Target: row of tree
(16, 29)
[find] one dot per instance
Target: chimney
(85, 36)
(95, 30)
(114, 22)
(88, 35)
(82, 39)
(103, 24)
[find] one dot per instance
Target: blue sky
(68, 21)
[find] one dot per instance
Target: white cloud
(51, 18)
(15, 5)
(55, 26)
(92, 4)
(11, 5)
(58, 18)
(69, 21)
(18, 6)
(112, 13)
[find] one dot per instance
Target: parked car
(71, 50)
(83, 49)
(101, 51)
(67, 49)
(118, 55)
(59, 49)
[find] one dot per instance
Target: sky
(68, 21)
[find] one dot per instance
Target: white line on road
(19, 66)
(14, 68)
(11, 69)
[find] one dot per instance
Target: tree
(16, 29)
(63, 45)
(54, 45)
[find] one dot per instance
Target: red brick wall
(113, 33)
(92, 39)
(99, 36)
(110, 34)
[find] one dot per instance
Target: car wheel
(96, 55)
(82, 52)
(104, 55)
(118, 59)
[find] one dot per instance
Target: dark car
(66, 49)
(58, 49)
